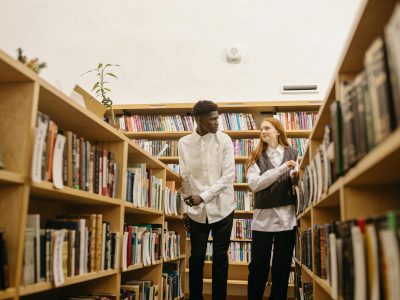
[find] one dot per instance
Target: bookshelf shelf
(44, 286)
(241, 185)
(12, 70)
(369, 188)
(171, 259)
(378, 167)
(142, 266)
(133, 267)
(45, 190)
(331, 199)
(170, 159)
(25, 94)
(175, 159)
(248, 107)
(7, 294)
(250, 134)
(323, 283)
(243, 212)
(258, 110)
(306, 213)
(171, 175)
(129, 208)
(9, 177)
(307, 271)
(297, 261)
(173, 217)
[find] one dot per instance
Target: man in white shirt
(207, 167)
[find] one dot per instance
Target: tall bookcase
(237, 277)
(22, 95)
(371, 187)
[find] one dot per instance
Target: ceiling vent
(299, 88)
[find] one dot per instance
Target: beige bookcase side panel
(13, 208)
(17, 121)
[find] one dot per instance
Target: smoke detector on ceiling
(299, 88)
(233, 55)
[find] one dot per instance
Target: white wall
(171, 51)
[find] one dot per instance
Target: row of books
(296, 120)
(360, 258)
(369, 106)
(174, 167)
(305, 248)
(66, 159)
(236, 121)
(149, 123)
(172, 281)
(4, 275)
(172, 242)
(158, 123)
(142, 243)
(139, 290)
(300, 144)
(172, 199)
(168, 148)
(237, 252)
(318, 175)
(243, 147)
(241, 229)
(143, 189)
(244, 200)
(240, 174)
(68, 246)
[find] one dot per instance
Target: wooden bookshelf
(23, 94)
(371, 186)
(238, 134)
(8, 177)
(258, 110)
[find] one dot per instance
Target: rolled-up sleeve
(259, 181)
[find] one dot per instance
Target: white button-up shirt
(277, 218)
(207, 167)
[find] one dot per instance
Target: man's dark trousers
(199, 232)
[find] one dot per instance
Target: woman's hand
(290, 164)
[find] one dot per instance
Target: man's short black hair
(204, 107)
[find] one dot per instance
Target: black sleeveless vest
(280, 192)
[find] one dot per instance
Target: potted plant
(100, 87)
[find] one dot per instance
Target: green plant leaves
(111, 74)
(95, 85)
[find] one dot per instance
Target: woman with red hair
(270, 175)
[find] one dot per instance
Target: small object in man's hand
(188, 200)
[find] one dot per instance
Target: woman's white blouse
(277, 218)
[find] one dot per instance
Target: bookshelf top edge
(372, 20)
(269, 106)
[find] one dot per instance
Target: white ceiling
(173, 51)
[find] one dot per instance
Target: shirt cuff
(284, 168)
(206, 196)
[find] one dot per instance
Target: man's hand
(186, 222)
(193, 200)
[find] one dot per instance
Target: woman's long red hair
(262, 146)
